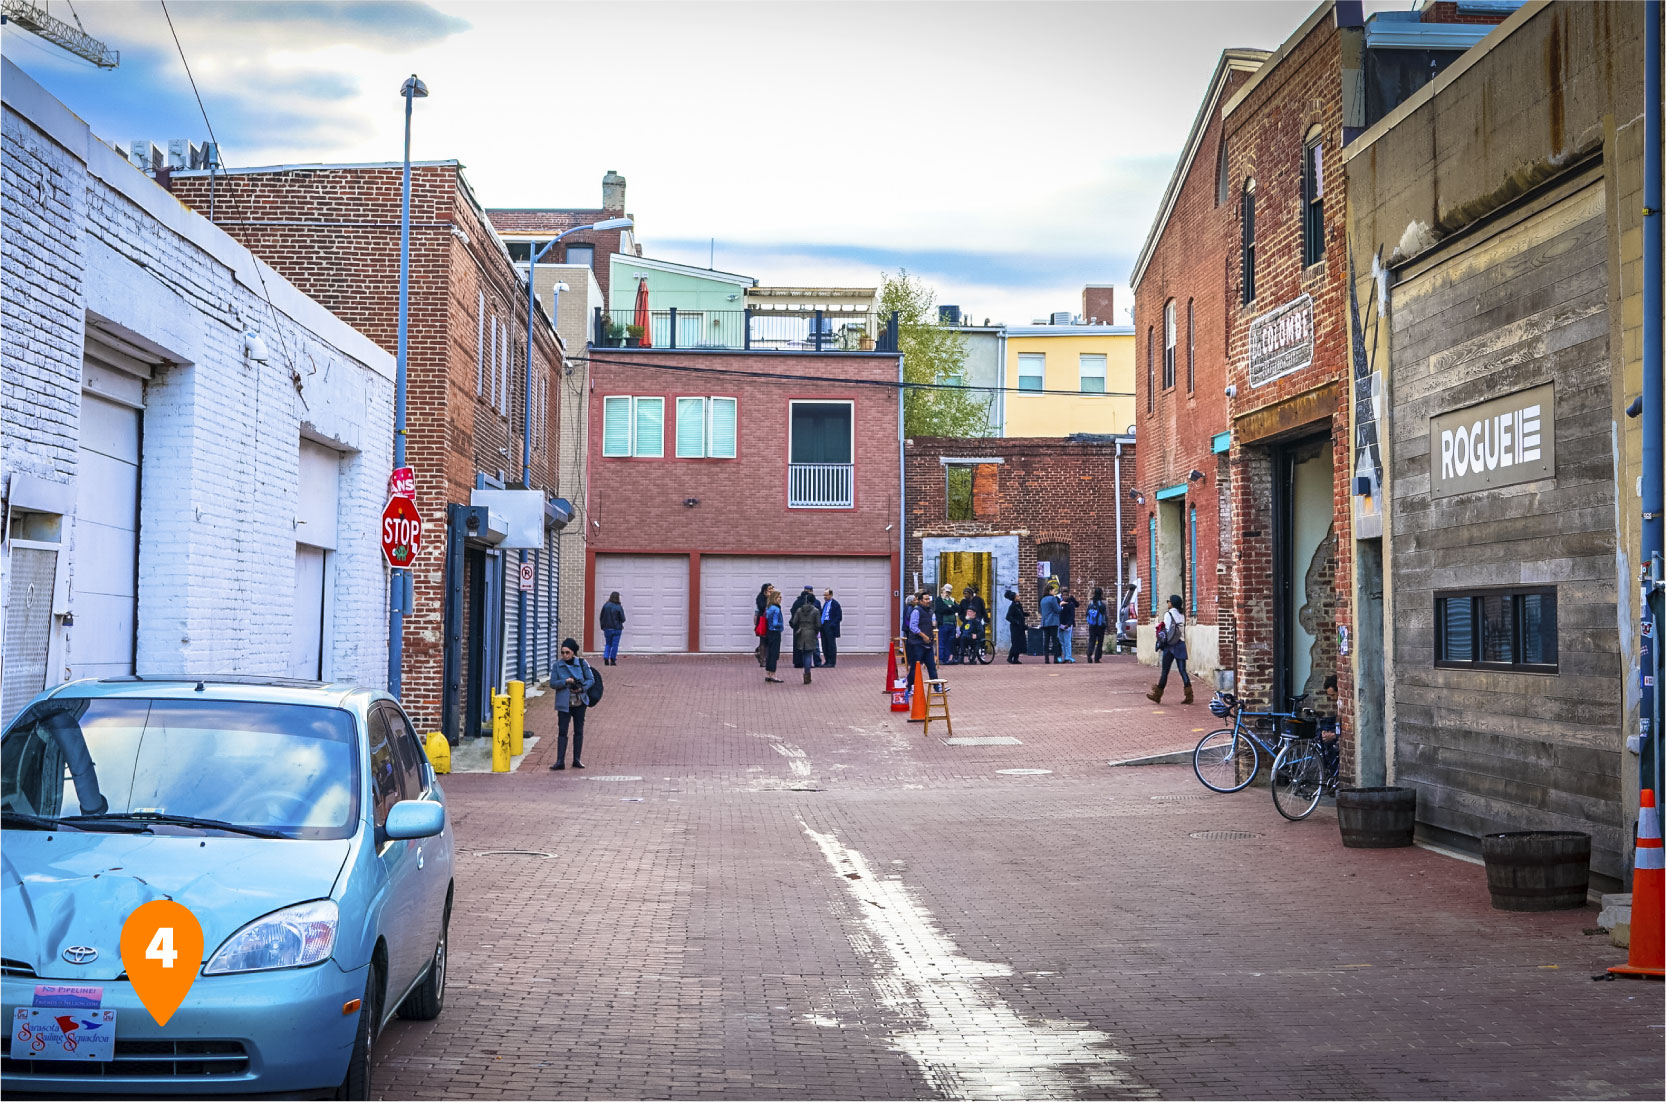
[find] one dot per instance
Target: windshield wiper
(185, 820)
(29, 821)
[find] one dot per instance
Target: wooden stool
(937, 699)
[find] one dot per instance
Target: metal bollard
(518, 714)
(500, 731)
(439, 751)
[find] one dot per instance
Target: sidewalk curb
(1185, 756)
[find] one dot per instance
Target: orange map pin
(162, 951)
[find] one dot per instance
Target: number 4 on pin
(162, 948)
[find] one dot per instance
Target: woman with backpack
(573, 684)
(807, 628)
(1096, 619)
(1170, 638)
(1016, 626)
(771, 620)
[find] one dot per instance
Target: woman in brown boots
(1170, 637)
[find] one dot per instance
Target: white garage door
(106, 540)
(729, 585)
(654, 590)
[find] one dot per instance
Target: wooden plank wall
(1496, 751)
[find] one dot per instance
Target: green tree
(932, 355)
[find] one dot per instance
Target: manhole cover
(1024, 771)
(516, 852)
(612, 778)
(1223, 835)
(981, 740)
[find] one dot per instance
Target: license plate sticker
(63, 1034)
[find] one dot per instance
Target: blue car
(302, 825)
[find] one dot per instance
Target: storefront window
(1499, 630)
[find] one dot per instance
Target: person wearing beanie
(571, 683)
(1015, 618)
(1170, 637)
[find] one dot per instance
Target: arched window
(1190, 345)
(1169, 345)
(1248, 243)
(1222, 171)
(1314, 227)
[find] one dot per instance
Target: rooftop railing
(809, 330)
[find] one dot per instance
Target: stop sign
(402, 531)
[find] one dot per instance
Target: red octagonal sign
(402, 532)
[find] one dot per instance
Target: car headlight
(289, 938)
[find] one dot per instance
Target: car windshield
(284, 769)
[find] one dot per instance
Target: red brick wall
(1099, 303)
(1051, 490)
(1190, 264)
(638, 504)
(519, 222)
(1265, 135)
(338, 241)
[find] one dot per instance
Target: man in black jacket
(830, 628)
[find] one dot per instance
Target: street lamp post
(533, 257)
(398, 592)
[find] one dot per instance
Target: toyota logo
(81, 954)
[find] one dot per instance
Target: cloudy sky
(1007, 152)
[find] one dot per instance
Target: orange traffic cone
(918, 702)
(1644, 947)
(891, 667)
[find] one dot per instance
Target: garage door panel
(109, 429)
(102, 637)
(106, 490)
(117, 554)
(654, 590)
(729, 585)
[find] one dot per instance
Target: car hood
(77, 889)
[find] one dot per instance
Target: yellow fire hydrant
(500, 731)
(440, 752)
(518, 714)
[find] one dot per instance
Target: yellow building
(1067, 378)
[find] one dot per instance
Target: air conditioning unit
(145, 155)
(1060, 318)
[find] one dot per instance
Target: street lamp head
(414, 87)
(561, 287)
(609, 225)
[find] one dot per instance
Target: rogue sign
(1496, 443)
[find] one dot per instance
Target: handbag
(760, 627)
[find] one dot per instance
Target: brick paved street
(795, 895)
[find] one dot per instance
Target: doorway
(1053, 567)
(1171, 565)
(964, 569)
(1305, 569)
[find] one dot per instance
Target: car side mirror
(414, 818)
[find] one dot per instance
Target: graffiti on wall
(1367, 486)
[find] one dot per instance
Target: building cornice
(1326, 8)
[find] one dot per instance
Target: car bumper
(254, 1032)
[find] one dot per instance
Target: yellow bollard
(518, 714)
(500, 731)
(440, 752)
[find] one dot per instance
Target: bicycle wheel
(1296, 779)
(1218, 758)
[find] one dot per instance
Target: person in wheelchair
(972, 613)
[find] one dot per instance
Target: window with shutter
(649, 431)
(721, 437)
(692, 428)
(616, 427)
(492, 365)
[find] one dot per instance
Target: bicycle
(973, 647)
(1304, 769)
(1217, 757)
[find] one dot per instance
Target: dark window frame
(1221, 171)
(1516, 596)
(1190, 379)
(1170, 344)
(1248, 244)
(1150, 394)
(1314, 220)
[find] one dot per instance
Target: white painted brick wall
(86, 234)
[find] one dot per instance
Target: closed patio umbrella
(641, 315)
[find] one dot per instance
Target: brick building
(334, 231)
(990, 512)
(1181, 282)
(193, 453)
(712, 472)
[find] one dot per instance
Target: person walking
(919, 633)
(1049, 619)
(830, 629)
(772, 634)
(572, 683)
(1170, 635)
(613, 624)
(944, 616)
(1096, 619)
(1015, 618)
(1068, 621)
(759, 605)
(806, 622)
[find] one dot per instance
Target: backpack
(593, 693)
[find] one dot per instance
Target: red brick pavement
(802, 897)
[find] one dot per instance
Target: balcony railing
(748, 330)
(819, 485)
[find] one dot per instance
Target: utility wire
(851, 381)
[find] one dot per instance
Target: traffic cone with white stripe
(1644, 949)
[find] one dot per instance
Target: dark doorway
(1305, 596)
(1058, 557)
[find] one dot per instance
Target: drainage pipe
(1650, 536)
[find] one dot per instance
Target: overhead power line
(34, 17)
(872, 382)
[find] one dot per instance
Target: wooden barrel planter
(1376, 817)
(1537, 870)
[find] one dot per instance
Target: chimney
(613, 192)
(1097, 302)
